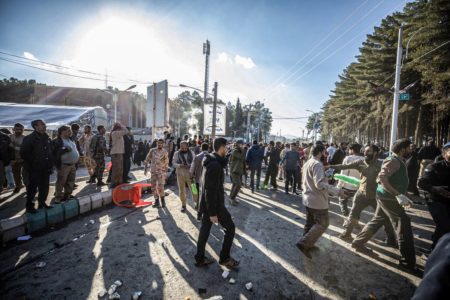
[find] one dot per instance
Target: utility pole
(206, 51)
(396, 89)
(248, 123)
(213, 131)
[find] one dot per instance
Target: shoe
(91, 180)
(17, 189)
(101, 183)
(156, 204)
(163, 202)
(303, 249)
(45, 206)
(297, 193)
(233, 202)
(362, 249)
(204, 262)
(411, 267)
(75, 186)
(230, 263)
(183, 209)
(391, 243)
(253, 190)
(346, 237)
(31, 210)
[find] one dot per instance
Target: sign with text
(404, 97)
(157, 105)
(221, 112)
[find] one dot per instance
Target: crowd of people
(387, 181)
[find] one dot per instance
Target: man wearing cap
(237, 165)
(36, 151)
(436, 181)
(182, 161)
(159, 162)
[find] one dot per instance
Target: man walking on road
(212, 207)
(272, 170)
(290, 163)
(98, 150)
(196, 170)
(254, 160)
(159, 162)
(391, 200)
(315, 199)
(237, 165)
(36, 152)
(182, 161)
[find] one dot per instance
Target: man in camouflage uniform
(159, 162)
(98, 151)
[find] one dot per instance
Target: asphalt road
(152, 251)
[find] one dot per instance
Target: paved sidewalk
(14, 204)
(153, 251)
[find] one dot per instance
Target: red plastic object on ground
(129, 195)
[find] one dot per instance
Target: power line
(312, 49)
(328, 46)
(40, 62)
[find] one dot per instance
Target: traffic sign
(405, 96)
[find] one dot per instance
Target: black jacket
(58, 149)
(338, 157)
(274, 157)
(436, 174)
(212, 191)
(36, 151)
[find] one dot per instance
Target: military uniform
(159, 162)
(98, 151)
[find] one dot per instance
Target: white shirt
(353, 173)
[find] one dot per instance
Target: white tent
(54, 116)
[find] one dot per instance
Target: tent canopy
(54, 116)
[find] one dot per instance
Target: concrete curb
(14, 227)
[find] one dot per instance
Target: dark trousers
(236, 185)
(440, 212)
(227, 223)
(291, 178)
(361, 202)
(317, 221)
(99, 168)
(272, 172)
(391, 210)
(37, 180)
(299, 181)
(126, 167)
(255, 170)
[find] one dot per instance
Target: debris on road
(24, 238)
(92, 222)
(118, 283)
(218, 297)
(41, 264)
(102, 293)
(114, 296)
(112, 289)
(249, 286)
(136, 295)
(232, 281)
(225, 274)
(140, 222)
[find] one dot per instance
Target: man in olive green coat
(237, 164)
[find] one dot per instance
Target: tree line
(360, 106)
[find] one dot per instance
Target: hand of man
(214, 219)
(441, 191)
(343, 193)
(403, 200)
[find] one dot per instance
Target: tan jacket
(118, 146)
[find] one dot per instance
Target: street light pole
(396, 89)
(213, 131)
(206, 51)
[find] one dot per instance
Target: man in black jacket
(436, 181)
(36, 151)
(212, 206)
(128, 141)
(272, 170)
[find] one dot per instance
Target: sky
(287, 54)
